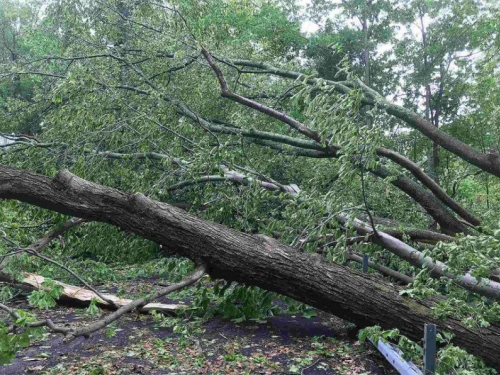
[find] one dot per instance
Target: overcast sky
(308, 26)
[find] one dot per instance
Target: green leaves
(93, 309)
(450, 359)
(240, 303)
(46, 297)
(10, 343)
(118, 104)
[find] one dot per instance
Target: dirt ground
(281, 344)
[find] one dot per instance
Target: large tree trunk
(254, 260)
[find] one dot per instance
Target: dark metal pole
(365, 263)
(430, 349)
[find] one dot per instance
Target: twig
(42, 242)
(311, 365)
(39, 323)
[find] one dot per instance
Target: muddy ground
(142, 344)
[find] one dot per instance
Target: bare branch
(382, 269)
(226, 92)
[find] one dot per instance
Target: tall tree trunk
(366, 59)
(254, 260)
(437, 112)
(366, 52)
(434, 164)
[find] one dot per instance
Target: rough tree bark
(254, 260)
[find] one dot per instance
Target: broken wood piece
(84, 296)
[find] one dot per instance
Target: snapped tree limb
(126, 306)
(437, 269)
(79, 295)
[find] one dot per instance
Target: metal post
(430, 349)
(365, 263)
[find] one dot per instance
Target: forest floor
(143, 344)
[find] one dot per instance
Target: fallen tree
(250, 259)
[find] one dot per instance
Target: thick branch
(436, 269)
(382, 269)
(429, 182)
(225, 92)
(110, 318)
(487, 162)
(419, 235)
(236, 177)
